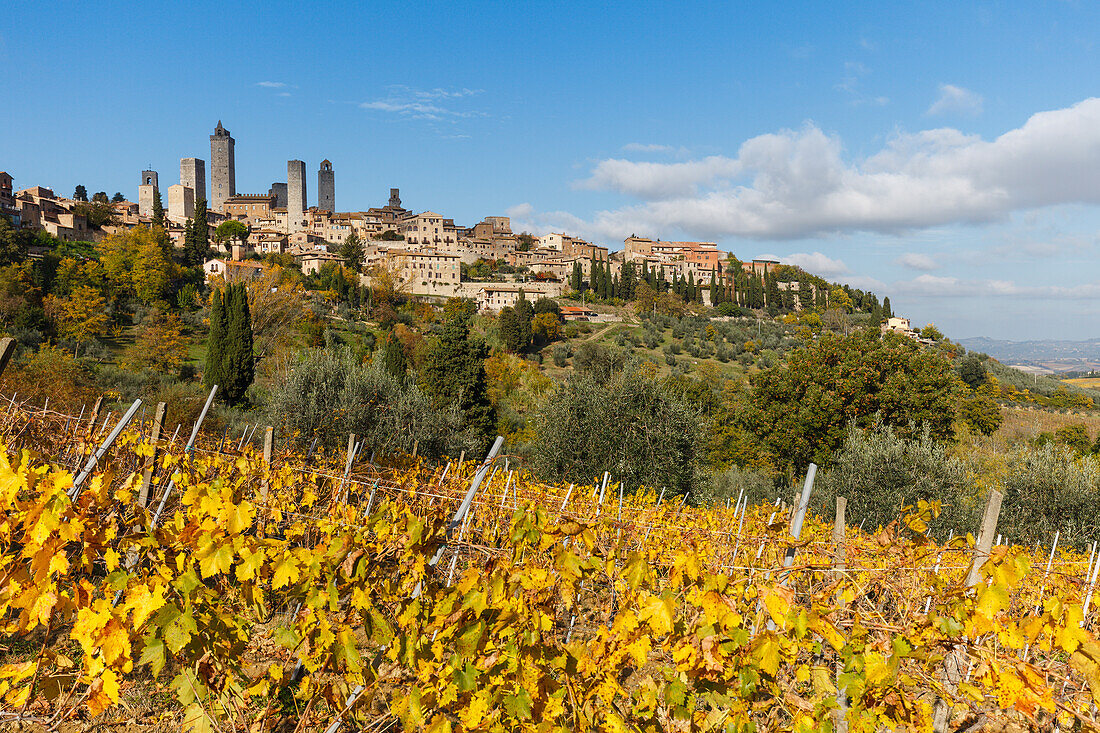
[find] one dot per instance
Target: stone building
(326, 187)
(181, 202)
(251, 206)
(296, 195)
(223, 168)
(147, 192)
(193, 176)
(7, 197)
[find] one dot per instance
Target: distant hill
(1044, 356)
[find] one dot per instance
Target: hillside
(1041, 356)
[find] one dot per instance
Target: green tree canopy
(800, 411)
(352, 251)
(390, 355)
(972, 371)
(229, 230)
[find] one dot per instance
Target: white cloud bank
(796, 183)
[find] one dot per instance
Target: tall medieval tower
(193, 176)
(147, 191)
(295, 195)
(326, 187)
(223, 170)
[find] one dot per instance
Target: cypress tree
(214, 369)
(692, 294)
(525, 312)
(886, 312)
(239, 360)
(714, 296)
(576, 280)
(628, 281)
(197, 238)
(158, 209)
(454, 374)
(391, 355)
(616, 288)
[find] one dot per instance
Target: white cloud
(815, 263)
(271, 84)
(520, 211)
(796, 183)
(659, 180)
(424, 104)
(917, 261)
(956, 100)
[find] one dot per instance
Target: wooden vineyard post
(800, 513)
(838, 536)
(95, 415)
(74, 492)
(265, 483)
(984, 543)
(269, 439)
(839, 566)
(7, 348)
(952, 664)
(150, 460)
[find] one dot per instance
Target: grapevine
(548, 610)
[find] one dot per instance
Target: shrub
(597, 361)
(983, 414)
(329, 394)
(560, 353)
(879, 472)
(1050, 489)
(1074, 437)
(758, 487)
(633, 426)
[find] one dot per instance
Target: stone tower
(278, 190)
(326, 187)
(193, 176)
(395, 198)
(223, 171)
(146, 192)
(295, 195)
(181, 203)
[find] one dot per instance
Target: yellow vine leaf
(658, 612)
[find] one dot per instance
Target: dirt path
(597, 334)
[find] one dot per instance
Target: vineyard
(244, 587)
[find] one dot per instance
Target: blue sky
(944, 154)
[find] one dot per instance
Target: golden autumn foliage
(159, 344)
(81, 315)
(548, 609)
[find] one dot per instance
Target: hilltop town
(423, 253)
